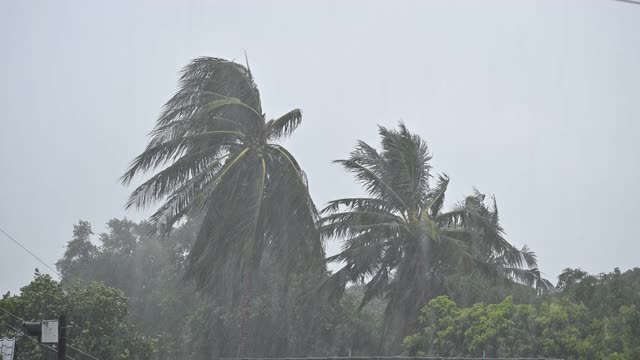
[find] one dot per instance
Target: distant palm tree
(218, 157)
(510, 266)
(400, 243)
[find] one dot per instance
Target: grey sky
(535, 101)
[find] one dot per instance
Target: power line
(9, 312)
(630, 1)
(72, 276)
(21, 319)
(29, 251)
(82, 352)
(50, 268)
(34, 340)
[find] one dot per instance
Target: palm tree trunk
(401, 315)
(400, 322)
(245, 316)
(253, 255)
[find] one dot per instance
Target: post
(62, 337)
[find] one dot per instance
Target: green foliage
(601, 292)
(96, 315)
(562, 326)
(468, 289)
(79, 249)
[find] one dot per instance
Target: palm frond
(373, 183)
(435, 198)
(408, 159)
(291, 160)
(177, 175)
(376, 287)
(160, 154)
(181, 201)
(221, 76)
(356, 203)
(285, 125)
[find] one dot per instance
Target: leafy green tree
(79, 249)
(601, 292)
(121, 237)
(558, 327)
(97, 317)
(401, 243)
(219, 158)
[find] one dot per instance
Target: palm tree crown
(218, 157)
(399, 242)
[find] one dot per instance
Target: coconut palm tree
(399, 242)
(218, 158)
(511, 265)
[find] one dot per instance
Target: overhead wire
(69, 345)
(19, 332)
(10, 313)
(630, 1)
(82, 352)
(29, 251)
(55, 272)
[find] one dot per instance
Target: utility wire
(69, 345)
(630, 1)
(72, 276)
(56, 272)
(29, 251)
(34, 340)
(82, 352)
(9, 312)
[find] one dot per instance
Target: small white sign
(7, 348)
(50, 331)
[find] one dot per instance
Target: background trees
(286, 315)
(157, 315)
(600, 324)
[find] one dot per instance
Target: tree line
(589, 317)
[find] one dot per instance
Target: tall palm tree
(218, 158)
(399, 242)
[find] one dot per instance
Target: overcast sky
(537, 102)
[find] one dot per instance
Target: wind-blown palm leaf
(355, 203)
(409, 156)
(435, 198)
(372, 182)
(284, 125)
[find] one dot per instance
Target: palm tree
(218, 158)
(399, 242)
(511, 265)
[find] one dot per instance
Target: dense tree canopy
(589, 317)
